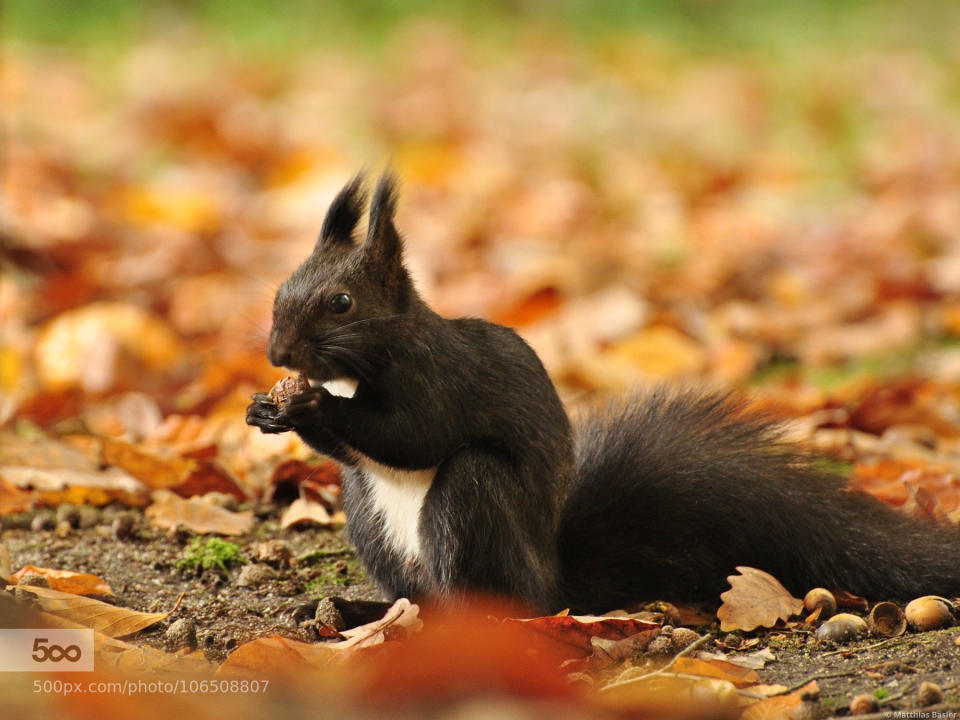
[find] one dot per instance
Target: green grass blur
(700, 26)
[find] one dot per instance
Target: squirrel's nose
(279, 355)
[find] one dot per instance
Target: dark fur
(674, 490)
(667, 492)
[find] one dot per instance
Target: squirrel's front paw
(264, 414)
(303, 408)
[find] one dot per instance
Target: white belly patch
(398, 497)
(341, 387)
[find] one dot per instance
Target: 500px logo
(44, 649)
(43, 652)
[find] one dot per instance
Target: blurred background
(736, 193)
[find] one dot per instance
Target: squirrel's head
(325, 316)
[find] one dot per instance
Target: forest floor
(148, 570)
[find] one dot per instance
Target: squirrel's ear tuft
(343, 215)
(383, 244)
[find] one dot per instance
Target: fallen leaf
(170, 510)
(302, 510)
(401, 619)
(78, 487)
(13, 499)
(66, 581)
(719, 669)
(849, 600)
(111, 620)
(158, 471)
(577, 632)
(755, 599)
(780, 707)
(275, 654)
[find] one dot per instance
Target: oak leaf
(755, 599)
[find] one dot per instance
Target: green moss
(881, 693)
(214, 553)
(339, 573)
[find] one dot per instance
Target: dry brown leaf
(158, 471)
(143, 658)
(401, 619)
(278, 655)
(151, 469)
(780, 706)
(720, 669)
(302, 510)
(110, 620)
(756, 598)
(170, 510)
(113, 653)
(576, 632)
(66, 580)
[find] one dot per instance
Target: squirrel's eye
(340, 303)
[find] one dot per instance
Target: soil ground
(145, 569)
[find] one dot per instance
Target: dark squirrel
(462, 472)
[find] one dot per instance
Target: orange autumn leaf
(185, 476)
(720, 669)
(781, 706)
(66, 580)
(277, 655)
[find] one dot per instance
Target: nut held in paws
(284, 389)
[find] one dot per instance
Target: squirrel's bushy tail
(673, 490)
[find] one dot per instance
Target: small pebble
(929, 694)
(255, 574)
(33, 579)
(682, 638)
(63, 529)
(274, 552)
(122, 526)
(42, 521)
(181, 633)
(864, 705)
(328, 614)
(21, 595)
(67, 513)
(88, 517)
(661, 645)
